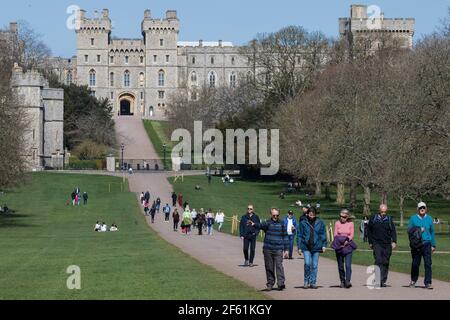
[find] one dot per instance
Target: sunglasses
(249, 208)
(344, 217)
(422, 208)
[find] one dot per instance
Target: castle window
(155, 57)
(126, 79)
(127, 59)
(194, 77)
(212, 60)
(112, 95)
(142, 95)
(86, 58)
(193, 60)
(34, 134)
(69, 78)
(92, 41)
(111, 79)
(92, 78)
(161, 42)
(167, 58)
(111, 59)
(232, 80)
(161, 94)
(232, 60)
(98, 58)
(212, 79)
(161, 78)
(141, 59)
(141, 79)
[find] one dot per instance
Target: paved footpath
(224, 253)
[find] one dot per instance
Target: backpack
(415, 238)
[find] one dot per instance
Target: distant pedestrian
(147, 196)
(130, 171)
(248, 234)
(176, 219)
(382, 239)
(174, 199)
(180, 200)
(77, 199)
(166, 211)
(220, 217)
(153, 211)
(275, 248)
(423, 246)
(146, 207)
(186, 223)
(209, 178)
(85, 198)
(311, 241)
(194, 217)
(201, 219)
(343, 244)
(291, 229)
(158, 204)
(142, 198)
(74, 197)
(210, 221)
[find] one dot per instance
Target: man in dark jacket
(201, 219)
(248, 233)
(174, 199)
(382, 239)
(275, 248)
(85, 198)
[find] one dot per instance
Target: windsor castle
(138, 75)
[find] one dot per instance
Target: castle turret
(93, 38)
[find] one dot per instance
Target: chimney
(147, 14)
(171, 14)
(13, 27)
(220, 43)
(200, 43)
(105, 13)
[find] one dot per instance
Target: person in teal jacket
(425, 222)
(311, 240)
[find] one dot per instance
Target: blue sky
(229, 20)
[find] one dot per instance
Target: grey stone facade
(45, 114)
(138, 75)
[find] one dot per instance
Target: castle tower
(93, 38)
(160, 38)
(362, 23)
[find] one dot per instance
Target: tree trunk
(366, 201)
(402, 199)
(340, 194)
(327, 192)
(318, 192)
(384, 197)
(353, 194)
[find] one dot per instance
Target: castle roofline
(204, 44)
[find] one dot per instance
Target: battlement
(169, 23)
(96, 23)
(27, 79)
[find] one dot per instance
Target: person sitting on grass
(104, 227)
(97, 227)
(114, 228)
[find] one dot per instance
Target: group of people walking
(312, 240)
(203, 221)
(76, 197)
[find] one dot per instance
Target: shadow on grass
(11, 220)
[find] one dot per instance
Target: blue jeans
(210, 230)
(291, 244)
(344, 274)
(311, 266)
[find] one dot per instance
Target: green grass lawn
(233, 199)
(44, 237)
(157, 132)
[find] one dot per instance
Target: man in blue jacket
(291, 228)
(425, 222)
(248, 233)
(275, 248)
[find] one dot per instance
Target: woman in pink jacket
(344, 231)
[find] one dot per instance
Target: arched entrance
(126, 104)
(151, 111)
